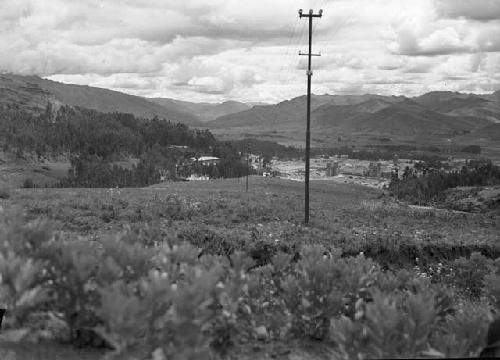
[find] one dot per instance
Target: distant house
(256, 161)
(206, 160)
(194, 177)
(196, 167)
(180, 148)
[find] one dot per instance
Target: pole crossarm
(307, 54)
(309, 73)
(311, 14)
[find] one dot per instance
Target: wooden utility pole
(247, 148)
(309, 54)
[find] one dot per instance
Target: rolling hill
(33, 92)
(203, 111)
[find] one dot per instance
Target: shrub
(468, 274)
(393, 325)
(169, 311)
(4, 192)
(26, 239)
(471, 149)
(492, 284)
(28, 183)
(311, 294)
(124, 258)
(20, 289)
(463, 334)
(71, 267)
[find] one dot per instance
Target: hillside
(33, 92)
(203, 111)
(491, 132)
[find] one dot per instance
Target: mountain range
(435, 113)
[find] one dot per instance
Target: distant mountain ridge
(435, 113)
(33, 92)
(203, 111)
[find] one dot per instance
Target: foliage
(92, 171)
(94, 141)
(28, 183)
(471, 149)
(20, 290)
(203, 276)
(492, 284)
(71, 268)
(4, 192)
(408, 324)
(469, 274)
(311, 294)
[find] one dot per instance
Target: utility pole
(247, 150)
(309, 54)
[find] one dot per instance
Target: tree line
(431, 188)
(94, 141)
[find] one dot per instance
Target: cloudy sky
(216, 50)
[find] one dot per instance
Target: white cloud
(481, 10)
(211, 50)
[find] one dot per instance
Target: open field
(342, 215)
(220, 218)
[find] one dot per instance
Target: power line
(285, 69)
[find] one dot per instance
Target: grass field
(353, 218)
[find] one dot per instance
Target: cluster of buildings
(338, 168)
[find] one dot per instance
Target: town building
(332, 168)
(256, 161)
(374, 170)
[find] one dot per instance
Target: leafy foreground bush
(147, 299)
